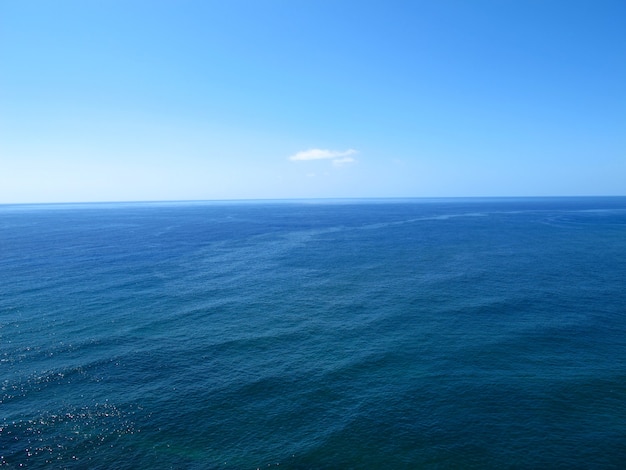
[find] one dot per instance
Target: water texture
(452, 333)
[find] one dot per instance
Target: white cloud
(343, 161)
(321, 154)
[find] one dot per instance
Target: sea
(314, 334)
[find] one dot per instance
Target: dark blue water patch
(339, 334)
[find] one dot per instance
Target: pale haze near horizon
(265, 99)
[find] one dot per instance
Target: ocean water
(452, 333)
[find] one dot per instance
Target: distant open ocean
(338, 334)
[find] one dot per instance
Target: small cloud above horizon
(343, 161)
(338, 157)
(320, 154)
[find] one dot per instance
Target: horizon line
(303, 199)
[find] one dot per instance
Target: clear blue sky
(168, 100)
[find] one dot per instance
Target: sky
(133, 100)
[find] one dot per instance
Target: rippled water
(321, 334)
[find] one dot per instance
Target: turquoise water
(453, 333)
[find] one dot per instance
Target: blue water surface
(442, 333)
